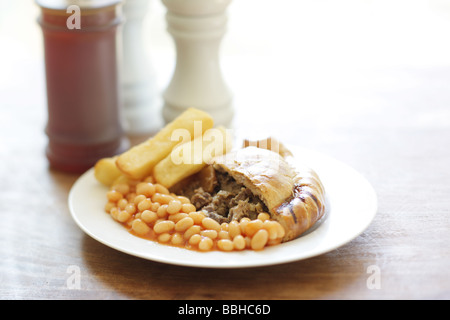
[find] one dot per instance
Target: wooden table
(365, 82)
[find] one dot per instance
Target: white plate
(352, 205)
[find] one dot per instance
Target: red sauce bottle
(82, 75)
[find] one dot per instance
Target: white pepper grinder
(197, 27)
(139, 93)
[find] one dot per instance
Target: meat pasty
(256, 179)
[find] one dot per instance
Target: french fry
(106, 171)
(191, 157)
(138, 162)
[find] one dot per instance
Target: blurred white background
(320, 64)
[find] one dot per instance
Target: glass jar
(82, 77)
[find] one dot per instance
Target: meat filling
(226, 200)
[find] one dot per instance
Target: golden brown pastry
(293, 194)
(306, 205)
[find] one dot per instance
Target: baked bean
(259, 240)
(178, 216)
(191, 231)
(177, 239)
(164, 226)
(140, 227)
(252, 227)
(130, 208)
(183, 200)
(234, 229)
(212, 224)
(123, 188)
(145, 188)
(123, 216)
(122, 203)
(162, 211)
(114, 212)
(144, 205)
(197, 217)
(224, 226)
(188, 208)
(212, 234)
(161, 189)
(174, 206)
(205, 244)
(243, 223)
(225, 245)
(263, 216)
(161, 198)
(109, 206)
(139, 198)
(131, 196)
(155, 206)
(128, 223)
(164, 237)
(149, 216)
(223, 234)
(157, 198)
(239, 242)
(195, 239)
(184, 224)
(114, 196)
(271, 228)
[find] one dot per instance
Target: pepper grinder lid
(84, 4)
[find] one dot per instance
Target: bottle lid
(83, 4)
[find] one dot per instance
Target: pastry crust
(293, 194)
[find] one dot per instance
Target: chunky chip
(139, 161)
(191, 157)
(106, 171)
